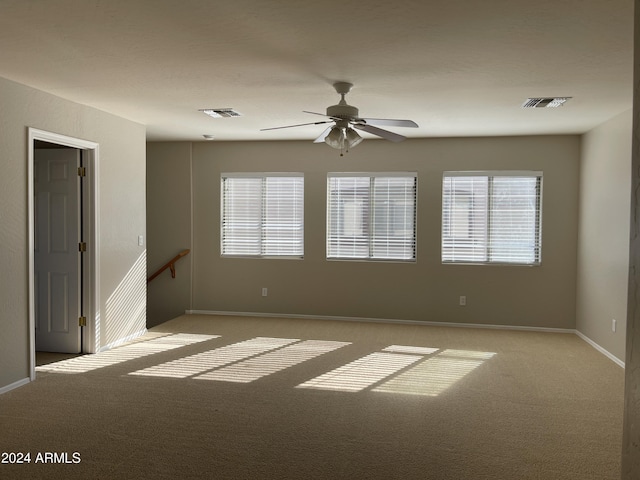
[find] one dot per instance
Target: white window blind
(262, 215)
(371, 216)
(492, 217)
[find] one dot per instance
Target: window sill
(371, 260)
(496, 264)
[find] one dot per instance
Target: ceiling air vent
(221, 112)
(548, 102)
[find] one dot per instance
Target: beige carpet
(262, 398)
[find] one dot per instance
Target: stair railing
(171, 264)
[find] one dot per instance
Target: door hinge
(82, 321)
(82, 171)
(82, 247)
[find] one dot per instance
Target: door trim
(91, 285)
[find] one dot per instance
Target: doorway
(58, 252)
(63, 244)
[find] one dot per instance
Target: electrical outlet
(463, 300)
(614, 323)
(264, 291)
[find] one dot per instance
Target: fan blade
(322, 136)
(314, 113)
(335, 119)
(394, 137)
(298, 125)
(389, 122)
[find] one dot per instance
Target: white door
(56, 255)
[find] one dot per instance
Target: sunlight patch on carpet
(410, 349)
(201, 362)
(132, 351)
(361, 373)
(402, 369)
(272, 362)
(436, 374)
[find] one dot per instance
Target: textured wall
(168, 228)
(603, 233)
(122, 301)
(426, 290)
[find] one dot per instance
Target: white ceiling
(456, 67)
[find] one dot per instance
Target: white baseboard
(126, 339)
(13, 385)
(414, 322)
(605, 352)
(381, 320)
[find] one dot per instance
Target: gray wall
(169, 228)
(121, 216)
(603, 233)
(426, 290)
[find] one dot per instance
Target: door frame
(90, 279)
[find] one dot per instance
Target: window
(371, 216)
(262, 215)
(491, 217)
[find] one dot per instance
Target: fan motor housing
(342, 111)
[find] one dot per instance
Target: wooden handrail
(170, 264)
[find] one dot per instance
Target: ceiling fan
(342, 135)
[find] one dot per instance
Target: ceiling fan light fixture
(352, 138)
(335, 138)
(345, 117)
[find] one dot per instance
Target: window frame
(368, 221)
(262, 226)
(488, 213)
